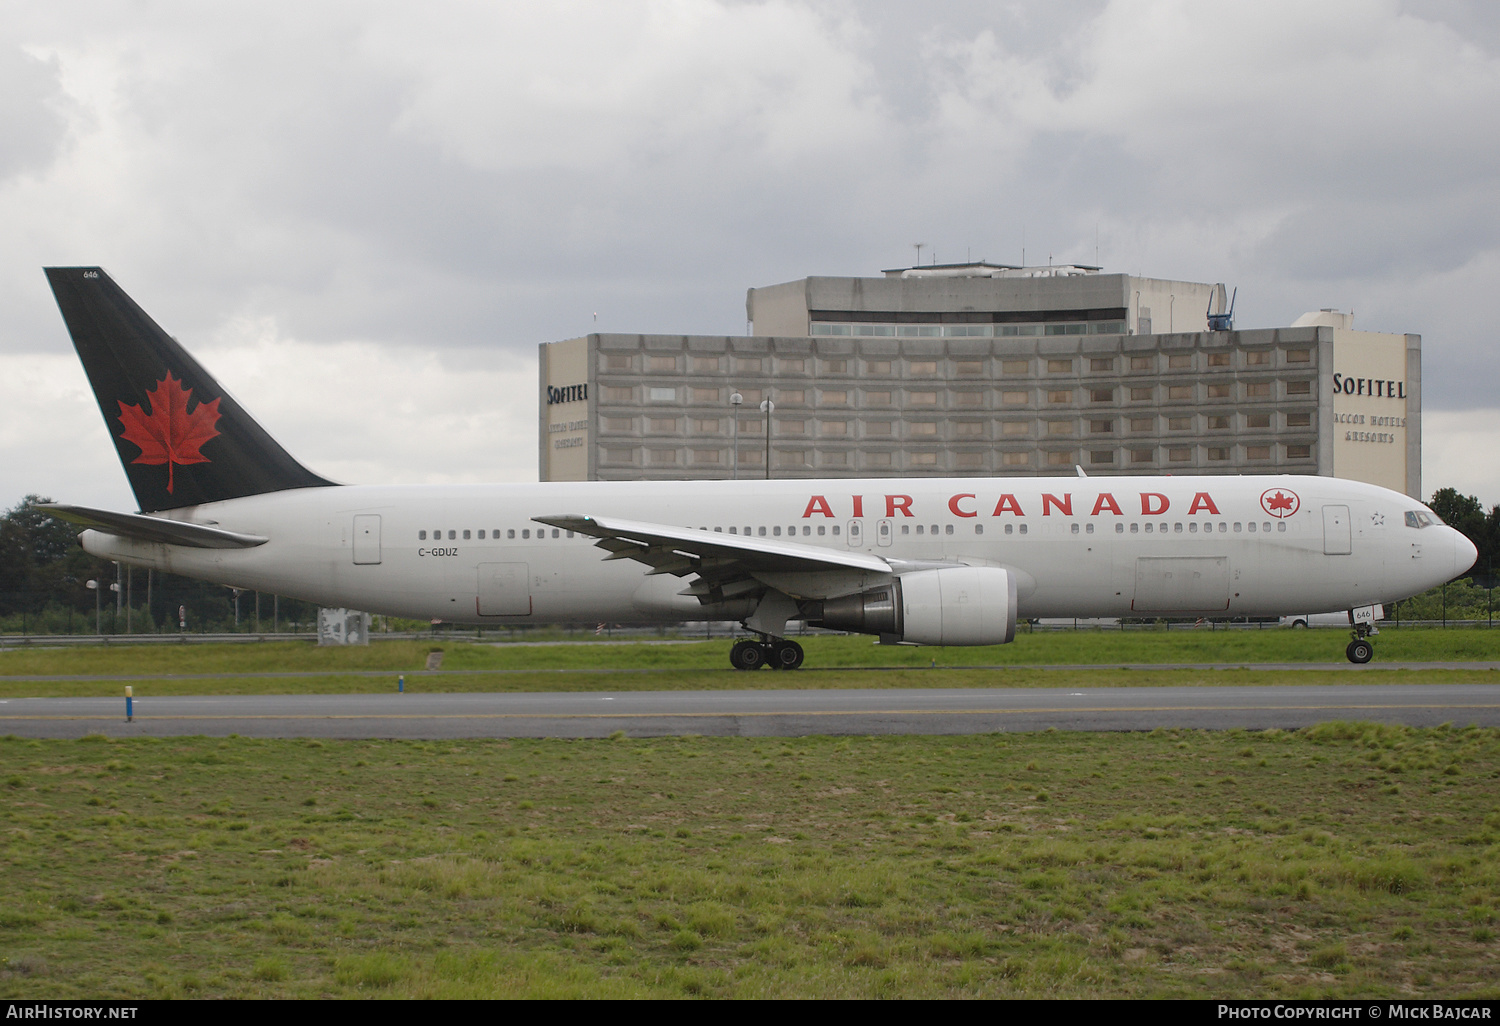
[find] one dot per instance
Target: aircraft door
(366, 539)
(1336, 538)
(856, 534)
(504, 589)
(883, 532)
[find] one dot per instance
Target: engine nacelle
(960, 605)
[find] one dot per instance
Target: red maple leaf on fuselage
(1278, 501)
(170, 433)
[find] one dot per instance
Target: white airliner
(927, 561)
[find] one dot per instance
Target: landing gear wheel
(1359, 651)
(786, 655)
(747, 655)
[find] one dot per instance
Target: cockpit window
(1420, 518)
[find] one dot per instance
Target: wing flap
(153, 529)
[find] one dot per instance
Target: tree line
(44, 588)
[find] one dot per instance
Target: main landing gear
(778, 654)
(1361, 649)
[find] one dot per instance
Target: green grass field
(1346, 860)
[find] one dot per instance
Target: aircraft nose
(1464, 553)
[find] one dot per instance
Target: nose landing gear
(1361, 649)
(778, 654)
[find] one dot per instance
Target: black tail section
(182, 439)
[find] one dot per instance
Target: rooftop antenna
(1023, 245)
(919, 246)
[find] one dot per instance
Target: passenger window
(1252, 527)
(422, 535)
(1008, 528)
(525, 532)
(718, 530)
(734, 530)
(511, 533)
(1148, 528)
(906, 529)
(556, 532)
(821, 530)
(452, 535)
(1089, 529)
(1023, 528)
(806, 530)
(466, 534)
(1236, 528)
(920, 529)
(978, 528)
(1266, 527)
(835, 530)
(1193, 527)
(948, 529)
(761, 532)
(481, 534)
(1075, 528)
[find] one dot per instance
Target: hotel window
(616, 394)
(752, 427)
(1102, 456)
(922, 398)
(663, 425)
(1257, 452)
(1096, 364)
(1179, 423)
(1299, 420)
(1060, 459)
(660, 456)
(746, 364)
(877, 366)
(1218, 454)
(708, 427)
(834, 397)
(1179, 455)
(1258, 390)
(1059, 427)
(1180, 392)
(1015, 459)
(836, 366)
(791, 458)
(968, 427)
(1298, 452)
(750, 395)
(1181, 361)
(968, 398)
(834, 427)
(793, 366)
(1257, 358)
(1101, 427)
(1220, 391)
(1015, 427)
(1218, 359)
(1142, 363)
(619, 455)
(1101, 395)
(834, 459)
(792, 396)
(968, 367)
(1142, 455)
(661, 363)
(619, 362)
(1060, 396)
(1059, 366)
(877, 459)
(705, 395)
(878, 427)
(1139, 395)
(1015, 398)
(1299, 356)
(922, 367)
(662, 395)
(1257, 420)
(707, 456)
(1218, 423)
(1142, 423)
(752, 456)
(877, 398)
(706, 364)
(1014, 367)
(1299, 388)
(791, 427)
(923, 427)
(924, 459)
(618, 424)
(970, 460)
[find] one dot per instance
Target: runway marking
(810, 712)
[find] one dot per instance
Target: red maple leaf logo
(1278, 501)
(1281, 503)
(170, 433)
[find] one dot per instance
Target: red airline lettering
(895, 502)
(1106, 501)
(1150, 508)
(817, 504)
(1202, 501)
(1007, 504)
(953, 505)
(1064, 505)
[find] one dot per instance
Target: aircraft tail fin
(181, 438)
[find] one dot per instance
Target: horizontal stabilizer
(153, 529)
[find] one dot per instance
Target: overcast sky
(363, 217)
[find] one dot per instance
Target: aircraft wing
(726, 564)
(153, 529)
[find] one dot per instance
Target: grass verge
(1348, 859)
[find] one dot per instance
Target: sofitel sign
(1378, 387)
(566, 394)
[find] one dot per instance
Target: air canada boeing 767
(929, 561)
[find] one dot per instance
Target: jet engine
(960, 605)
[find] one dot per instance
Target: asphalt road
(752, 713)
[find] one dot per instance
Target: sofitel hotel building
(984, 370)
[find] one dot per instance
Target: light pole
(734, 401)
(767, 407)
(93, 586)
